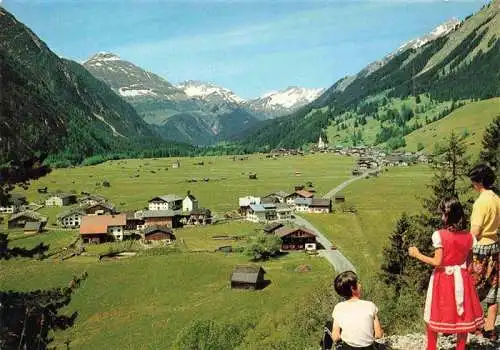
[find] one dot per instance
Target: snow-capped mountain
(195, 112)
(130, 81)
(209, 92)
(271, 104)
(438, 32)
(278, 103)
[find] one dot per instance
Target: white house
(117, 232)
(302, 204)
(70, 219)
(60, 200)
(246, 201)
(189, 203)
(166, 202)
(13, 205)
(283, 211)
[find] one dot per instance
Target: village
(97, 220)
(369, 157)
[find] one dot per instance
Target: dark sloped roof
(285, 231)
(272, 227)
(167, 198)
(33, 226)
(160, 213)
(320, 202)
(70, 212)
(154, 229)
(30, 214)
(246, 273)
(190, 196)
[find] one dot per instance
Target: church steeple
(321, 143)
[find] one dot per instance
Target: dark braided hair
(454, 217)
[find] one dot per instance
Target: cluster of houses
(156, 223)
(99, 221)
(280, 206)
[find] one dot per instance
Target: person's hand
(413, 252)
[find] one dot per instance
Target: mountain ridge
(54, 106)
(461, 65)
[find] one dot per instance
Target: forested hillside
(411, 89)
(53, 107)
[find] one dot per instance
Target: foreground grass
(144, 302)
(135, 181)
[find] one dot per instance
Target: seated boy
(355, 321)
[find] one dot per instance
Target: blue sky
(248, 46)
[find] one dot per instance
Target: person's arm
(379, 332)
(336, 332)
(434, 261)
(476, 220)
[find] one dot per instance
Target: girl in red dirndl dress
(452, 304)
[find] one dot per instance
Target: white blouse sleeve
(436, 240)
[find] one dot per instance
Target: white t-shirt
(355, 318)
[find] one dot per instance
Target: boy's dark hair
(344, 283)
(482, 174)
(453, 212)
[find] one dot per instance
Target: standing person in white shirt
(355, 321)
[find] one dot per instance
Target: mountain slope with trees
(53, 106)
(386, 101)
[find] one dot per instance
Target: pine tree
(451, 164)
(395, 258)
(491, 146)
(450, 167)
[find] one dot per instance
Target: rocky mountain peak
(104, 56)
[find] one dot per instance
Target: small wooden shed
(33, 227)
(248, 277)
(339, 198)
(159, 233)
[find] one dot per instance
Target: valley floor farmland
(134, 182)
(145, 301)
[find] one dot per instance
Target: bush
(263, 246)
(420, 146)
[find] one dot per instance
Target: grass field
(228, 179)
(379, 201)
(143, 302)
(470, 120)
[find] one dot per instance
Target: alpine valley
(193, 111)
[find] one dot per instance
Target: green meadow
(134, 182)
(144, 302)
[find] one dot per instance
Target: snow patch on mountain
(441, 30)
(201, 90)
(130, 92)
(292, 96)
